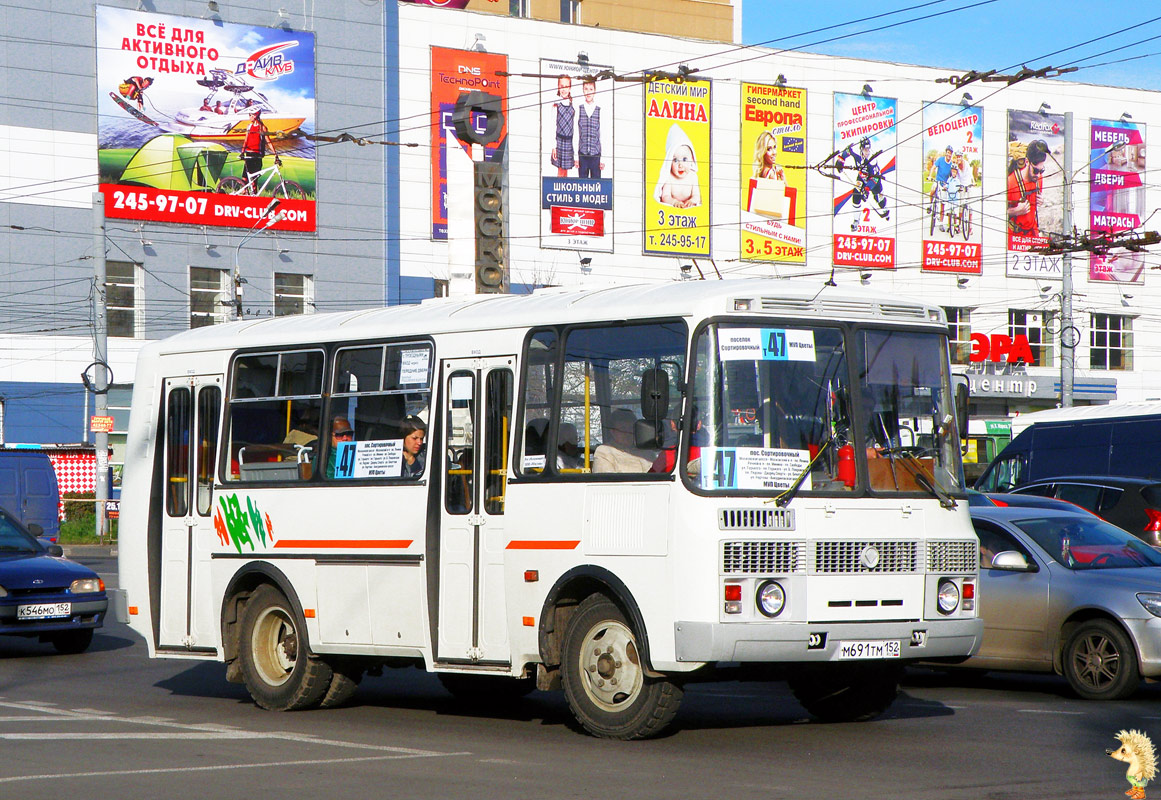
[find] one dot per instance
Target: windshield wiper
(919, 472)
(784, 499)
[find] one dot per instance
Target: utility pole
(1067, 332)
(100, 361)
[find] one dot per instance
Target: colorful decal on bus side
(241, 527)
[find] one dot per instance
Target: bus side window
(275, 405)
(208, 413)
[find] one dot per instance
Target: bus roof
(560, 306)
(1081, 413)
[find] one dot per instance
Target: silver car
(1067, 592)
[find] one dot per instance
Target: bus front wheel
(278, 672)
(604, 679)
(846, 692)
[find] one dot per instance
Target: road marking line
(221, 767)
(1049, 711)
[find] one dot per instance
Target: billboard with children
(1116, 199)
(454, 72)
(205, 122)
(1034, 193)
(576, 156)
(677, 168)
(865, 136)
(953, 139)
(773, 201)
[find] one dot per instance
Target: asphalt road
(111, 723)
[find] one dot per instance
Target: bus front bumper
(798, 642)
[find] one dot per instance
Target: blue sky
(985, 34)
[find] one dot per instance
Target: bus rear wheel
(604, 679)
(279, 673)
(846, 692)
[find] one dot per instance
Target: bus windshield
(781, 410)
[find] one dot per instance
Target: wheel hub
(611, 666)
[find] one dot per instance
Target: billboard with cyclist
(953, 146)
(1116, 199)
(773, 201)
(1035, 192)
(204, 122)
(865, 191)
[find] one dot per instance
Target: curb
(89, 550)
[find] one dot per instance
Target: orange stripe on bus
(542, 544)
(331, 544)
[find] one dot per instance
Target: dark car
(1133, 504)
(978, 499)
(43, 594)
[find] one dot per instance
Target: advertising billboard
(953, 203)
(1116, 198)
(202, 122)
(677, 168)
(452, 73)
(1035, 192)
(773, 205)
(865, 137)
(576, 156)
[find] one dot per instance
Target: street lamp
(265, 222)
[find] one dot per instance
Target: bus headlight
(771, 598)
(948, 598)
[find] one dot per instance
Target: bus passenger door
(191, 413)
(477, 417)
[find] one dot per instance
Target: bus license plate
(873, 649)
(44, 611)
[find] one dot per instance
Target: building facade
(639, 143)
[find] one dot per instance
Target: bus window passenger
(414, 431)
(340, 432)
(617, 455)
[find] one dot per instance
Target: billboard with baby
(677, 168)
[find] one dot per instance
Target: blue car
(45, 595)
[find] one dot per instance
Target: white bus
(621, 491)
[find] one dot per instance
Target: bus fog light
(733, 607)
(948, 597)
(771, 598)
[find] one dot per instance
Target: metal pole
(100, 356)
(1067, 333)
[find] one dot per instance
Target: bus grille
(756, 519)
(763, 558)
(840, 557)
(952, 556)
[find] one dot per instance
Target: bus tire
(604, 680)
(279, 673)
(344, 682)
(846, 692)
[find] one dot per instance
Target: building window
(1110, 342)
(293, 294)
(207, 293)
(1036, 326)
(122, 296)
(959, 328)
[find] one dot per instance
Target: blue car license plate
(44, 611)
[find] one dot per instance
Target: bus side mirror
(655, 395)
(961, 407)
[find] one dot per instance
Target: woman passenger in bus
(618, 453)
(414, 431)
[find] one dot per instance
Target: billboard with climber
(205, 122)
